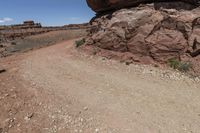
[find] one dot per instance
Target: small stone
(85, 108)
(97, 130)
(18, 125)
(197, 79)
(53, 117)
(2, 70)
(29, 116)
(11, 120)
(6, 95)
(81, 119)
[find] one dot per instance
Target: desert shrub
(80, 42)
(184, 66)
(174, 63)
(178, 65)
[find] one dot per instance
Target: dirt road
(67, 91)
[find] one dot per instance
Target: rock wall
(150, 35)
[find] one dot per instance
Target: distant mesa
(26, 25)
(31, 23)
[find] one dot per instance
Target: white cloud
(4, 20)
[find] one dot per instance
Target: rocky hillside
(152, 34)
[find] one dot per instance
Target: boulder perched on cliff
(105, 5)
(149, 35)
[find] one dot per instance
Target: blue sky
(48, 12)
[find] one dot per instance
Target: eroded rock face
(149, 35)
(105, 5)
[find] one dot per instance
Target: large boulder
(105, 5)
(148, 34)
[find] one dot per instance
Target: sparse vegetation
(185, 66)
(80, 42)
(178, 65)
(174, 63)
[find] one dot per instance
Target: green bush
(80, 42)
(178, 65)
(174, 63)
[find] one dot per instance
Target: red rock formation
(105, 5)
(148, 35)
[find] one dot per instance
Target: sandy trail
(89, 94)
